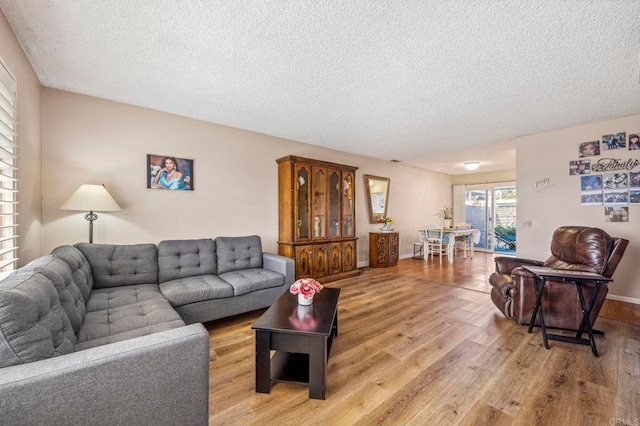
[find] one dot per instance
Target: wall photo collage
(609, 182)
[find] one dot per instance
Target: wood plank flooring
(422, 344)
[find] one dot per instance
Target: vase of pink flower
(305, 288)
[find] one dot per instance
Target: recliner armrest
(503, 283)
(505, 264)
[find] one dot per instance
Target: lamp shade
(92, 198)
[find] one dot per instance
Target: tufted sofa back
(80, 268)
(580, 248)
(59, 273)
(33, 324)
(186, 258)
(119, 265)
(236, 253)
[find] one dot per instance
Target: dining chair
(462, 242)
(435, 242)
(418, 246)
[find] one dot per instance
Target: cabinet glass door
(319, 203)
(302, 201)
(348, 204)
(334, 203)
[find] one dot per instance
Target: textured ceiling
(431, 83)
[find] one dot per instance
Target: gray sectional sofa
(111, 334)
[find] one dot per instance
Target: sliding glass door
(478, 214)
(491, 208)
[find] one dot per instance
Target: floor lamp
(91, 198)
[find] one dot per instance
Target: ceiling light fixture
(471, 165)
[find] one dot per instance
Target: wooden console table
(540, 276)
(383, 249)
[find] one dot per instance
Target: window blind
(8, 171)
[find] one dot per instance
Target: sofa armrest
(280, 264)
(158, 379)
(505, 264)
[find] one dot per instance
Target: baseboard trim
(626, 299)
(365, 263)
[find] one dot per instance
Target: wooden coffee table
(301, 337)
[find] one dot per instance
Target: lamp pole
(91, 216)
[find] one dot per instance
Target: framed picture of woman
(167, 172)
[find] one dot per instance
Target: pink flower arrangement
(307, 287)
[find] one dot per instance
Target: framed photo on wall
(580, 167)
(167, 172)
(589, 149)
(615, 141)
(616, 214)
(615, 180)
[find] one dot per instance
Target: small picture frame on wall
(580, 167)
(634, 196)
(167, 172)
(591, 183)
(615, 180)
(591, 198)
(634, 180)
(634, 141)
(616, 197)
(616, 214)
(614, 141)
(589, 149)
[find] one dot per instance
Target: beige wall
(91, 140)
(488, 177)
(547, 156)
(29, 143)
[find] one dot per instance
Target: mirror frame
(367, 179)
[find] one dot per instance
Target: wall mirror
(377, 196)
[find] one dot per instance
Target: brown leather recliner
(575, 248)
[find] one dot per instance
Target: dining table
(449, 238)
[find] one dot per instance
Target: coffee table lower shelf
(293, 367)
(290, 367)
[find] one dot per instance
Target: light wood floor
(423, 344)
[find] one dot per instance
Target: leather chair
(576, 248)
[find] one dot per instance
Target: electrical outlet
(527, 223)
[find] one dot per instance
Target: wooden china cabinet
(317, 217)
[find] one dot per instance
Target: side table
(383, 249)
(540, 276)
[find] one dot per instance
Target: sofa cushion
(121, 313)
(121, 265)
(59, 273)
(249, 280)
(33, 325)
(80, 269)
(195, 289)
(186, 258)
(236, 253)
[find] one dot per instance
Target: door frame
(490, 186)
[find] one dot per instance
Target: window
(8, 171)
